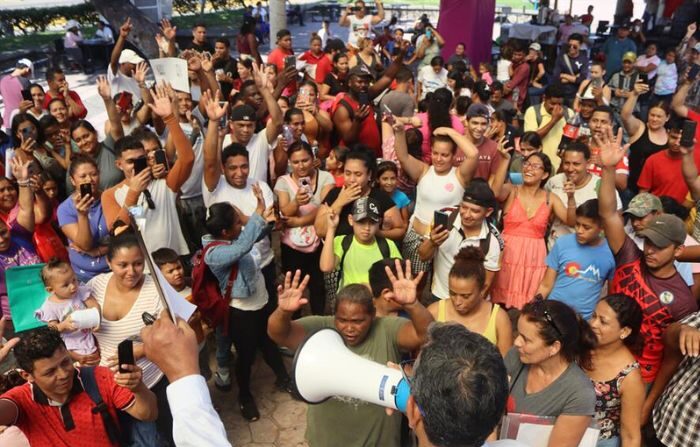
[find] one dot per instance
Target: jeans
(610, 442)
(148, 434)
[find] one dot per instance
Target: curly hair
(37, 344)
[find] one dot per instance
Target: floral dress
(608, 403)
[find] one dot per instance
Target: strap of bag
(383, 247)
(87, 377)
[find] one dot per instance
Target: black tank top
(640, 150)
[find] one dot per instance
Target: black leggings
(248, 332)
(309, 264)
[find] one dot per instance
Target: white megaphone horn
(324, 367)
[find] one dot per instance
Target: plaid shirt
(677, 412)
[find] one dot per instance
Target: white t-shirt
(643, 61)
(359, 28)
(244, 200)
(588, 192)
(193, 186)
(430, 80)
(162, 225)
(121, 83)
(445, 257)
(259, 150)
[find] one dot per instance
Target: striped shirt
(111, 333)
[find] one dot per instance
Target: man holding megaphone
(351, 422)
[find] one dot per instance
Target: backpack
(206, 294)
(538, 114)
(87, 377)
(347, 241)
(485, 244)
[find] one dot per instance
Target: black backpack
(87, 377)
(347, 241)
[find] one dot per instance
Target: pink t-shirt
(425, 130)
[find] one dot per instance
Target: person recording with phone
(152, 199)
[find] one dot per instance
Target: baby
(67, 296)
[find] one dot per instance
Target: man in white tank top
(359, 22)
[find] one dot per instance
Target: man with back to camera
(342, 421)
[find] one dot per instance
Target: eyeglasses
(527, 164)
(407, 375)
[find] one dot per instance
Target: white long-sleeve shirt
(195, 423)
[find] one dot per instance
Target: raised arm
(20, 171)
(471, 154)
(274, 125)
(678, 101)
(115, 123)
(344, 20)
(166, 38)
(390, 73)
(280, 327)
(499, 179)
(611, 152)
(212, 154)
(413, 167)
(412, 334)
(633, 125)
(380, 12)
(328, 260)
(79, 232)
(144, 113)
(124, 31)
(690, 172)
(566, 212)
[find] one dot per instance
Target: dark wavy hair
(439, 103)
(629, 314)
(37, 344)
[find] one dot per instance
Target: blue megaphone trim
(403, 391)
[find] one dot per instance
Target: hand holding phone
(441, 218)
(388, 116)
(26, 95)
(290, 61)
(140, 164)
(85, 189)
(161, 158)
(125, 354)
(688, 135)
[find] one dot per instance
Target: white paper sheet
(172, 70)
(178, 305)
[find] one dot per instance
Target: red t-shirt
(323, 67)
(623, 166)
(369, 130)
(662, 175)
(74, 96)
(519, 80)
(488, 159)
(43, 425)
(309, 57)
(276, 57)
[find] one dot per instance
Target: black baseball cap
(366, 208)
(243, 113)
(478, 111)
(479, 193)
(360, 70)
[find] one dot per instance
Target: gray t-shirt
(400, 103)
(571, 393)
(106, 159)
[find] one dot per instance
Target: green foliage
(33, 20)
(194, 6)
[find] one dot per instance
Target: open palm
(214, 110)
(403, 284)
(161, 102)
(290, 295)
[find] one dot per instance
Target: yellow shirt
(550, 143)
(489, 332)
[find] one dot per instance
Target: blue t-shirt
(581, 272)
(400, 199)
(85, 266)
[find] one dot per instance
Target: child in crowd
(579, 263)
(67, 296)
(335, 164)
(485, 73)
(351, 254)
(387, 179)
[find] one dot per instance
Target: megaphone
(324, 367)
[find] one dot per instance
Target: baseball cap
(478, 110)
(366, 208)
(665, 230)
(588, 95)
(643, 204)
(243, 113)
(629, 56)
(25, 63)
(360, 70)
(535, 46)
(697, 47)
(479, 193)
(129, 56)
(625, 24)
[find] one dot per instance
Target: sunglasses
(548, 318)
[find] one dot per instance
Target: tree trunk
(144, 31)
(278, 19)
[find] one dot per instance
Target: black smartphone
(140, 164)
(363, 98)
(290, 61)
(125, 354)
(85, 189)
(223, 121)
(161, 158)
(693, 73)
(26, 95)
(27, 132)
(441, 218)
(644, 78)
(688, 134)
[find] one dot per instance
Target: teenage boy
(648, 276)
(662, 170)
(351, 254)
(579, 264)
(472, 229)
(382, 289)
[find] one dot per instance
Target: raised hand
(215, 111)
(20, 170)
(83, 203)
(503, 150)
(206, 62)
(445, 131)
(691, 30)
(194, 63)
(290, 294)
(640, 88)
(167, 29)
(140, 181)
(26, 144)
(257, 192)
(140, 72)
(261, 81)
(611, 148)
(438, 235)
(126, 28)
(104, 88)
(403, 284)
(333, 219)
(7, 347)
(161, 106)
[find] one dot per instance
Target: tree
(144, 32)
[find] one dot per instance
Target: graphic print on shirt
(590, 274)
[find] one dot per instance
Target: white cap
(535, 46)
(72, 24)
(588, 94)
(25, 62)
(130, 56)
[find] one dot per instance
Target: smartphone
(363, 98)
(161, 158)
(428, 34)
(688, 134)
(125, 354)
(644, 78)
(693, 73)
(441, 218)
(140, 164)
(388, 115)
(26, 132)
(290, 61)
(85, 189)
(26, 95)
(305, 184)
(223, 121)
(288, 134)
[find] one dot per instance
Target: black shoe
(248, 409)
(284, 385)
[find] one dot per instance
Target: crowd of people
(530, 234)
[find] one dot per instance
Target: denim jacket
(221, 257)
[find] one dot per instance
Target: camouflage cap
(644, 203)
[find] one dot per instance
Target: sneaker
(248, 409)
(222, 379)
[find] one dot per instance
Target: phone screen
(26, 95)
(688, 135)
(161, 158)
(85, 189)
(140, 164)
(441, 218)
